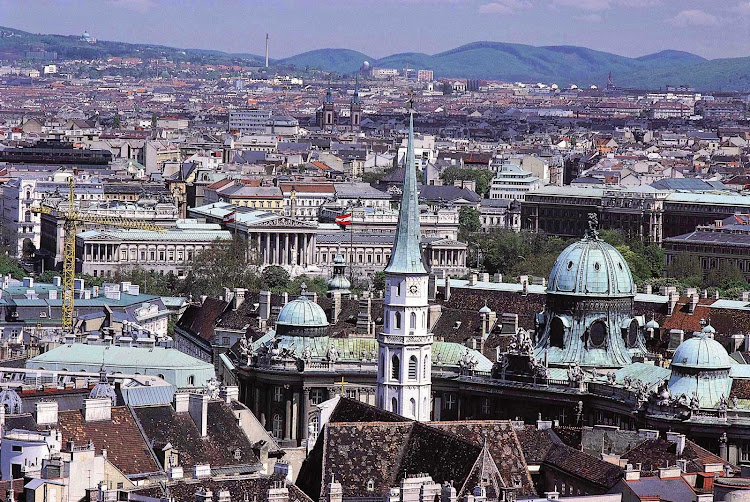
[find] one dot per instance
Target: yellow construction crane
(71, 219)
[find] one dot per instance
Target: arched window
(424, 320)
(395, 367)
(381, 366)
(598, 334)
(312, 428)
(397, 320)
(27, 217)
(631, 334)
(557, 333)
(413, 368)
(413, 407)
(413, 320)
(28, 194)
(426, 367)
(278, 426)
(370, 485)
(394, 405)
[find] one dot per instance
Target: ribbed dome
(302, 317)
(338, 282)
(652, 324)
(701, 352)
(591, 267)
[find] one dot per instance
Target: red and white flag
(230, 217)
(344, 219)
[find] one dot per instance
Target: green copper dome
(302, 317)
(591, 267)
(700, 366)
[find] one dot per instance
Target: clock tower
(405, 344)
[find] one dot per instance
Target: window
(485, 406)
(312, 428)
(17, 447)
(597, 334)
(631, 336)
(395, 367)
(450, 401)
(277, 426)
(425, 367)
(370, 485)
(745, 451)
(119, 485)
(191, 380)
(413, 368)
(557, 333)
(316, 396)
(413, 407)
(397, 320)
(225, 340)
(160, 376)
(394, 405)
(413, 320)
(381, 366)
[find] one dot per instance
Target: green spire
(406, 256)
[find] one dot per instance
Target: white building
(405, 345)
(512, 182)
(249, 120)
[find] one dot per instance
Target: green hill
(333, 60)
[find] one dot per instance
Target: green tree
(28, 249)
(468, 221)
(612, 237)
(9, 266)
(223, 264)
(482, 177)
(116, 121)
(274, 277)
(378, 281)
(687, 269)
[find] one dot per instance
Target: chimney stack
(97, 409)
(46, 412)
(671, 302)
(198, 409)
(266, 50)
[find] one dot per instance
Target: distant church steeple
(355, 109)
(405, 344)
(328, 117)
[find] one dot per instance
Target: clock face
(413, 289)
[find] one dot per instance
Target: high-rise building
(425, 76)
(405, 344)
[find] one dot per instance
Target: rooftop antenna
(266, 50)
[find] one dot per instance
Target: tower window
(597, 334)
(397, 320)
(395, 368)
(425, 368)
(557, 333)
(413, 320)
(413, 368)
(394, 405)
(413, 407)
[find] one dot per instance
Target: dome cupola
(302, 317)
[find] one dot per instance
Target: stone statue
(723, 403)
(333, 353)
(641, 391)
(212, 389)
(523, 342)
(467, 361)
(307, 354)
(611, 377)
(695, 402)
(579, 411)
(246, 349)
(627, 381)
(592, 231)
(575, 373)
(663, 397)
(735, 402)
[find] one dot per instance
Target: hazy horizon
(379, 28)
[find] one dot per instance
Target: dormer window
(370, 485)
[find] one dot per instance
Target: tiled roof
(162, 425)
(503, 444)
(655, 453)
(584, 466)
(535, 443)
(200, 320)
(126, 447)
(239, 489)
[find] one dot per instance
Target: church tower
(329, 113)
(355, 109)
(405, 345)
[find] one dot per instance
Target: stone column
(287, 250)
(302, 250)
(295, 415)
(267, 257)
(288, 420)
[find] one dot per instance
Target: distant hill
(13, 41)
(333, 60)
(562, 64)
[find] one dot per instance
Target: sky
(709, 28)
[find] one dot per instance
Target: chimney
(336, 307)
(498, 277)
(28, 282)
(264, 311)
(715, 296)
(181, 402)
(198, 409)
(745, 296)
(747, 342)
(46, 412)
(335, 492)
(230, 393)
(671, 302)
(669, 472)
(285, 298)
(202, 471)
(283, 468)
(97, 409)
(224, 496)
(704, 293)
(484, 277)
(678, 440)
(647, 289)
(239, 297)
(228, 295)
(278, 492)
(447, 288)
(431, 287)
(57, 281)
(203, 495)
(632, 474)
(448, 493)
(693, 302)
(473, 280)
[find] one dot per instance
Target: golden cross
(342, 383)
